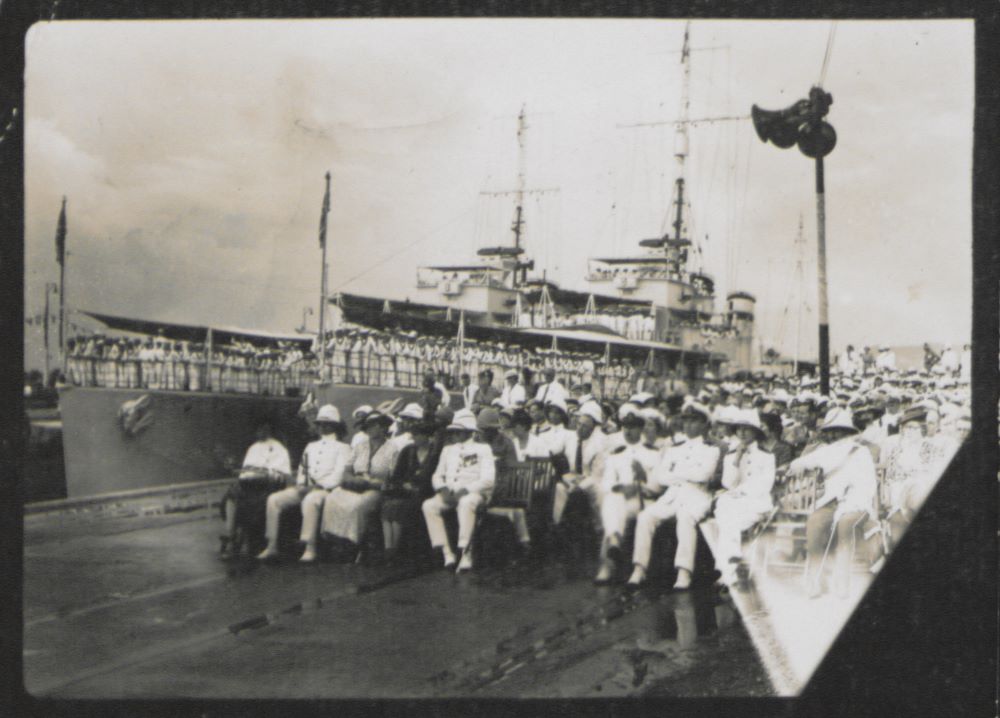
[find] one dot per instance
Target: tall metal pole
(798, 315)
(824, 322)
(322, 284)
(48, 285)
(62, 293)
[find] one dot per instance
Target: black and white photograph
(482, 358)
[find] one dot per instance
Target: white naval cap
(328, 413)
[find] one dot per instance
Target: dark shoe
(227, 548)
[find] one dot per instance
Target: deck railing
(360, 368)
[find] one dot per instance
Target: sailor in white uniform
(747, 478)
(684, 471)
(513, 394)
(551, 389)
(624, 489)
(585, 450)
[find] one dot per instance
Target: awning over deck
(196, 332)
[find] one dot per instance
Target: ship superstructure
(656, 298)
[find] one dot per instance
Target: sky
(192, 155)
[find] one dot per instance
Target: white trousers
(666, 507)
(277, 504)
(617, 512)
(466, 509)
(733, 516)
(312, 510)
(563, 492)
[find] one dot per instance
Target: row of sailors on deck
(158, 363)
(359, 356)
(634, 465)
(398, 358)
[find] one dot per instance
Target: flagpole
(322, 297)
(61, 257)
(48, 285)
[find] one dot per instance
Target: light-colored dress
(346, 514)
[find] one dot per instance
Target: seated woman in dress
(409, 486)
(266, 468)
(350, 507)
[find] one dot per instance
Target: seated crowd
(723, 452)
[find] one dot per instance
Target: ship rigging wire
(829, 51)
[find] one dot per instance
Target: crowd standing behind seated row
(879, 441)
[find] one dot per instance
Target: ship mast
(519, 192)
(681, 143)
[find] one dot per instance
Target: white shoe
(683, 581)
(449, 558)
(605, 573)
(267, 553)
(309, 556)
(638, 576)
(466, 563)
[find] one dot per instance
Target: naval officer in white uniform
(463, 480)
(684, 471)
(624, 489)
(747, 478)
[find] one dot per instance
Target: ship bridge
(487, 287)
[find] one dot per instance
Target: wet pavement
(140, 606)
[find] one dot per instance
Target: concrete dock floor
(129, 606)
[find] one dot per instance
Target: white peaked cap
(626, 409)
(654, 414)
(328, 413)
(727, 414)
(593, 410)
(557, 403)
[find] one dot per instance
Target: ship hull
(179, 437)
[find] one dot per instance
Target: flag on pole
(326, 210)
(61, 235)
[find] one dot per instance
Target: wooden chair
(524, 490)
(794, 499)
